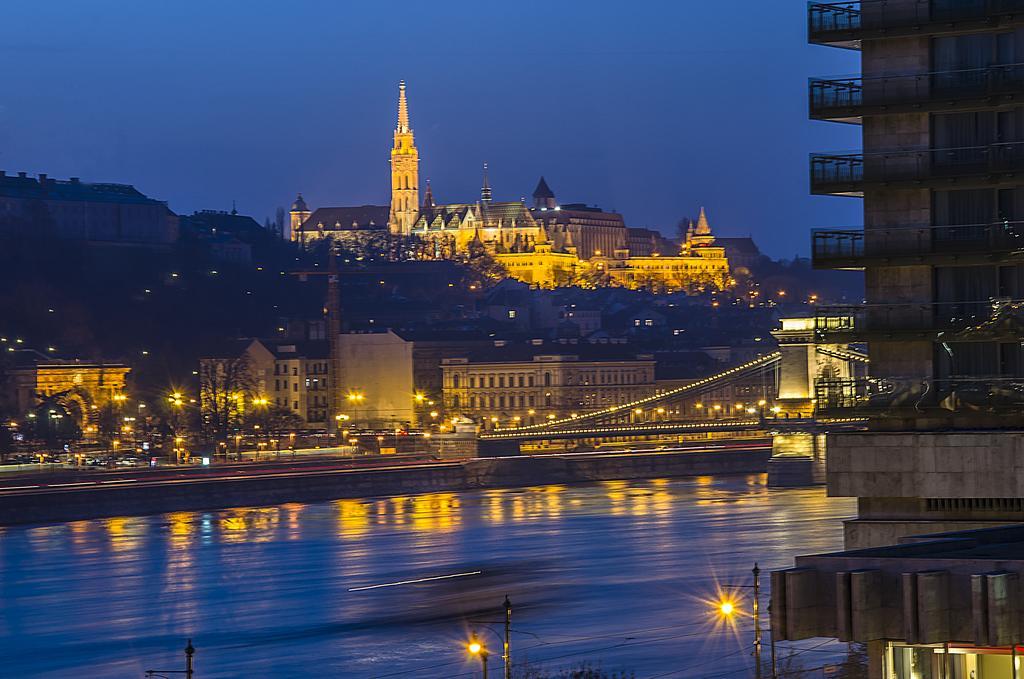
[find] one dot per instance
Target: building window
(472, 382)
(547, 379)
(511, 313)
(455, 381)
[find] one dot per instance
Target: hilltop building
(117, 214)
(547, 245)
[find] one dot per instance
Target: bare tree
(225, 385)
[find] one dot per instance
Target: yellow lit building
(88, 386)
(520, 385)
(548, 245)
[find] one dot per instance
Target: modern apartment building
(941, 106)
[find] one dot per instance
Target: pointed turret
(403, 109)
(701, 234)
(543, 196)
(703, 228)
(428, 197)
(485, 190)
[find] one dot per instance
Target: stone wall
(318, 486)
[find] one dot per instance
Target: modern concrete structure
(942, 179)
(937, 606)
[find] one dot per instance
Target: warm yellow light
(726, 608)
(420, 398)
(639, 411)
(762, 402)
(475, 647)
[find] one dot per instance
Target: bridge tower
(804, 361)
(798, 457)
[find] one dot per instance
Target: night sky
(651, 108)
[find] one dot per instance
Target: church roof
(543, 190)
(360, 218)
(299, 205)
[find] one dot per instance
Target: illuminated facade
(548, 245)
(504, 388)
(87, 386)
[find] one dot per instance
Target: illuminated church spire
(485, 191)
(405, 182)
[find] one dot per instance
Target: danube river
(620, 574)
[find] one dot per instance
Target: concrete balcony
(849, 174)
(845, 24)
(987, 320)
(925, 404)
(908, 245)
(849, 99)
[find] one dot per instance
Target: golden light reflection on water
(249, 524)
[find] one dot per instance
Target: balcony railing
(845, 22)
(849, 98)
(960, 321)
(901, 396)
(847, 174)
(852, 248)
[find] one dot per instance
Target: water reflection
(284, 587)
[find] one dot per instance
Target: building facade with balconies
(941, 105)
(941, 174)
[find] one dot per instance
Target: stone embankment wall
(318, 486)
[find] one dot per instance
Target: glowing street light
(479, 649)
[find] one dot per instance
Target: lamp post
(477, 648)
(507, 656)
(727, 609)
(189, 671)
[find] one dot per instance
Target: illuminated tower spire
(403, 109)
(405, 182)
(485, 191)
(701, 234)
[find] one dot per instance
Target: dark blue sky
(652, 108)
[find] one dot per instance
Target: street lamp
(727, 608)
(478, 648)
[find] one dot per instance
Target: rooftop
(45, 188)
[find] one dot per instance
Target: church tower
(299, 214)
(405, 175)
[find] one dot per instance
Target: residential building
(526, 383)
(112, 214)
(291, 375)
(941, 179)
(940, 174)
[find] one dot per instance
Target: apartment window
(295, 405)
(472, 382)
(295, 386)
(547, 379)
(455, 402)
(530, 379)
(501, 380)
(455, 381)
(295, 371)
(490, 381)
